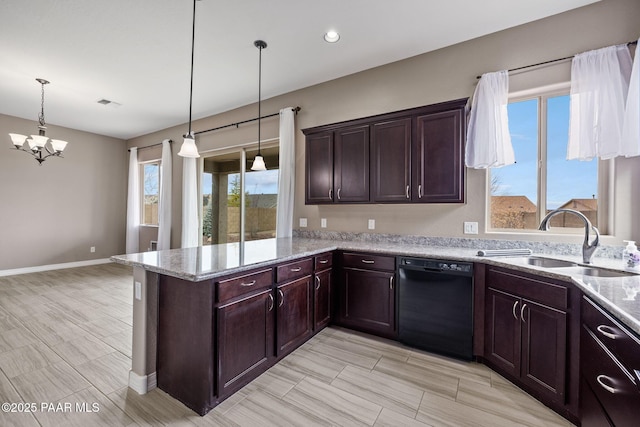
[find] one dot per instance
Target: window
(542, 179)
(224, 187)
(150, 192)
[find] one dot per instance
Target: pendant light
(258, 162)
(189, 148)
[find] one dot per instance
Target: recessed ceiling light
(331, 36)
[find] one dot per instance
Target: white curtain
(133, 203)
(189, 203)
(488, 139)
(164, 204)
(631, 126)
(599, 87)
(287, 174)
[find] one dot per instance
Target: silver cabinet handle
(522, 312)
(610, 389)
(419, 191)
(391, 282)
(281, 297)
(606, 331)
(296, 269)
(368, 261)
(515, 304)
(331, 193)
(272, 302)
(408, 192)
(318, 283)
(323, 261)
(251, 283)
(339, 193)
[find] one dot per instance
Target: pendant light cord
(193, 40)
(41, 115)
(259, 93)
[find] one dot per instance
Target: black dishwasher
(435, 306)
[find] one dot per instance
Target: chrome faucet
(587, 248)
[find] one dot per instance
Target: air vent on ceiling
(109, 103)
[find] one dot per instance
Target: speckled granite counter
(618, 295)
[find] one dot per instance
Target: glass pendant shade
(17, 139)
(189, 148)
(39, 141)
(58, 145)
(258, 164)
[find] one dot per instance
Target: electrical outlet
(92, 249)
(323, 222)
(372, 224)
(470, 228)
(303, 222)
(137, 289)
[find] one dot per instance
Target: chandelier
(40, 147)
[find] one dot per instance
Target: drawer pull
(368, 261)
(318, 282)
(330, 194)
(295, 270)
(272, 302)
(515, 304)
(339, 193)
(610, 389)
(419, 191)
(253, 282)
(522, 313)
(323, 261)
(408, 197)
(391, 283)
(607, 331)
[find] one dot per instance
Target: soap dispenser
(629, 254)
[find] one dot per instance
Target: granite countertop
(617, 294)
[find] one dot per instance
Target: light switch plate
(470, 228)
(323, 222)
(303, 222)
(138, 290)
(372, 224)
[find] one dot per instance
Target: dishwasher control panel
(436, 265)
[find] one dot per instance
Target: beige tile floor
(65, 339)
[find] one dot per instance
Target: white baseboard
(40, 268)
(142, 384)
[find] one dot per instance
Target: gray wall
(437, 76)
(54, 213)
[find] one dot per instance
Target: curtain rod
(149, 146)
(550, 62)
(237, 124)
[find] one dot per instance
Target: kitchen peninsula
(195, 296)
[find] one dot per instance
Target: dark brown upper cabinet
(409, 156)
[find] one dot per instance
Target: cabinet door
(367, 301)
(502, 331)
(295, 314)
(544, 348)
(391, 161)
(322, 300)
(319, 168)
(351, 171)
(437, 158)
(245, 340)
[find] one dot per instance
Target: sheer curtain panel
(164, 204)
(631, 126)
(287, 172)
(133, 203)
(488, 139)
(190, 223)
(599, 87)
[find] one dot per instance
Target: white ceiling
(137, 52)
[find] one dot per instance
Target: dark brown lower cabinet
(245, 340)
(367, 301)
(592, 414)
(322, 299)
(294, 314)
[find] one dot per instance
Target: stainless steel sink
(597, 272)
(549, 262)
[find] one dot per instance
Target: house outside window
(541, 180)
(150, 192)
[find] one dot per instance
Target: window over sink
(541, 180)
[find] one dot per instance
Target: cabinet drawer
(611, 383)
(294, 270)
(322, 261)
(368, 261)
(240, 285)
(545, 292)
(624, 345)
